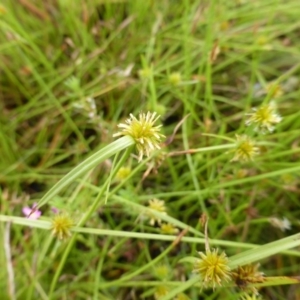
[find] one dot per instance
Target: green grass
(55, 55)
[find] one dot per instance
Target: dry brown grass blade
(35, 10)
(171, 138)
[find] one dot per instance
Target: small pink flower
(30, 213)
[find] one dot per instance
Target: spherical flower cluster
(160, 207)
(213, 268)
(264, 118)
(123, 173)
(247, 275)
(168, 228)
(175, 78)
(245, 149)
(146, 136)
(160, 291)
(145, 73)
(61, 225)
(162, 271)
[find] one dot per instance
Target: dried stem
(9, 266)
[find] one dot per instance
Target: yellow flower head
(2, 10)
(61, 225)
(162, 272)
(264, 118)
(145, 73)
(182, 296)
(213, 268)
(160, 291)
(175, 78)
(159, 206)
(147, 136)
(123, 173)
(245, 149)
(167, 228)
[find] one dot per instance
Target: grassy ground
(201, 65)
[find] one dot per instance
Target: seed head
(175, 78)
(283, 224)
(61, 225)
(162, 272)
(248, 274)
(123, 173)
(73, 83)
(87, 106)
(245, 149)
(264, 118)
(145, 73)
(213, 268)
(147, 136)
(168, 228)
(159, 206)
(160, 291)
(182, 296)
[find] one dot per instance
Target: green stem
(83, 220)
(153, 236)
(181, 288)
(88, 164)
(145, 267)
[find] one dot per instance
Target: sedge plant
(94, 210)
